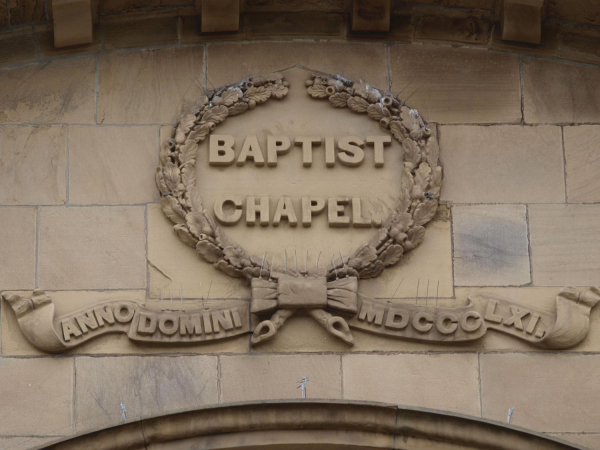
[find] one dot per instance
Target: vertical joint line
(146, 250)
(206, 67)
(564, 154)
(480, 387)
(97, 85)
(219, 386)
(522, 88)
(38, 52)
(37, 245)
(73, 401)
(67, 165)
(529, 244)
(387, 62)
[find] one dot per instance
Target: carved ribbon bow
(288, 294)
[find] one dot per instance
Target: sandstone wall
(79, 214)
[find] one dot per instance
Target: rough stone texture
(39, 392)
(585, 11)
(92, 248)
(295, 5)
(446, 382)
(115, 6)
(60, 91)
(557, 92)
(522, 20)
(262, 25)
(263, 377)
(33, 165)
(26, 11)
(220, 15)
(172, 266)
(14, 342)
(581, 44)
(150, 86)
(457, 85)
(490, 245)
(548, 47)
(371, 15)
(565, 244)
(139, 30)
(502, 164)
(17, 245)
(17, 46)
(465, 29)
(401, 29)
(3, 14)
(548, 392)
(229, 63)
(145, 386)
(112, 165)
(582, 152)
(45, 38)
(475, 4)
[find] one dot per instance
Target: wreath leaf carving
(403, 231)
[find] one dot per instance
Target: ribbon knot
(287, 294)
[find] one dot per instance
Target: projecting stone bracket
(522, 21)
(72, 22)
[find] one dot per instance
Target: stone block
(304, 5)
(59, 91)
(72, 22)
(17, 244)
(401, 29)
(260, 25)
(140, 29)
(582, 153)
(490, 245)
(33, 165)
(112, 165)
(92, 248)
(550, 392)
(457, 85)
(17, 46)
(404, 379)
(584, 11)
(117, 6)
(271, 377)
(144, 386)
(232, 62)
(522, 20)
(220, 15)
(565, 244)
(548, 46)
(22, 12)
(36, 396)
(45, 38)
(371, 15)
(14, 342)
(471, 4)
(556, 92)
(462, 28)
(3, 14)
(173, 266)
(131, 83)
(581, 44)
(502, 164)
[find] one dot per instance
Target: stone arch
(311, 424)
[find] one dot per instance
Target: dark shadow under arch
(311, 424)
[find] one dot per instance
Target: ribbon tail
(267, 329)
(572, 317)
(336, 326)
(36, 320)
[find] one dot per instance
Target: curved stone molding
(301, 424)
(55, 334)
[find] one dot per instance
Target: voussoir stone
(556, 92)
(549, 392)
(269, 377)
(113, 390)
(582, 152)
(228, 63)
(446, 382)
(149, 86)
(17, 247)
(565, 244)
(36, 396)
(490, 245)
(502, 164)
(92, 248)
(112, 165)
(33, 165)
(59, 91)
(450, 85)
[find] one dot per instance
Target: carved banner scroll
(59, 333)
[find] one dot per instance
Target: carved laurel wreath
(402, 231)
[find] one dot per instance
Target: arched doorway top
(311, 424)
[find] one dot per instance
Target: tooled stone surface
(402, 231)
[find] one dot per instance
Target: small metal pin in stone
(510, 413)
(302, 385)
(123, 412)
